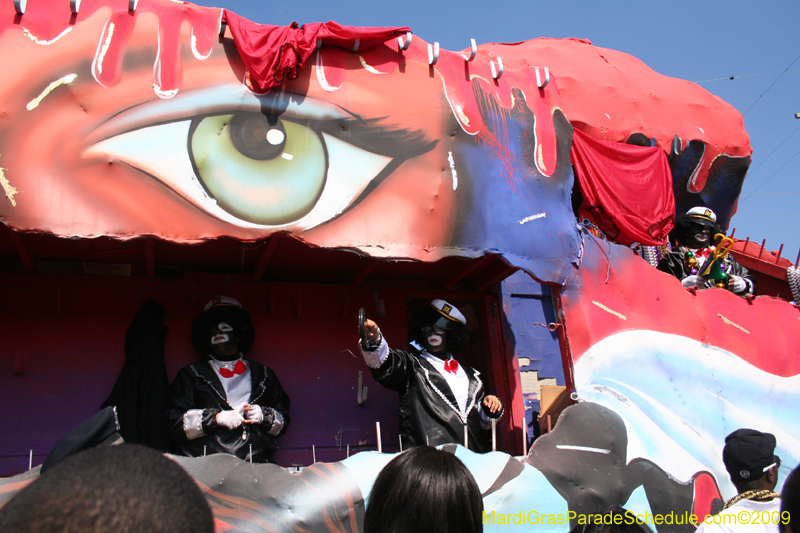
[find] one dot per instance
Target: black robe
(428, 410)
(198, 387)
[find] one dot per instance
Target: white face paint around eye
(224, 327)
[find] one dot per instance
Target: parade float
(531, 184)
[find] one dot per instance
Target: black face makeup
(698, 236)
(224, 342)
(435, 339)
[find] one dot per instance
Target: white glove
(739, 284)
(692, 281)
(254, 414)
(229, 419)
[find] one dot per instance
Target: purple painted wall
(62, 347)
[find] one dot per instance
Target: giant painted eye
(270, 175)
(293, 167)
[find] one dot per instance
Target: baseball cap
(748, 454)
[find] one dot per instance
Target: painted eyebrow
(377, 137)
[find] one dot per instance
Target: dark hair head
(790, 502)
(428, 316)
(121, 489)
(611, 520)
(238, 318)
(424, 490)
(678, 234)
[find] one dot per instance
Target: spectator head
(111, 489)
(424, 490)
(790, 503)
(750, 459)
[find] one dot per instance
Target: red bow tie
(451, 365)
(238, 368)
(703, 253)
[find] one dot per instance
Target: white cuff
(193, 424)
(277, 425)
(376, 358)
(749, 286)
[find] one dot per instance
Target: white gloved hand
(737, 284)
(229, 419)
(254, 414)
(692, 281)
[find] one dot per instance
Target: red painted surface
(764, 332)
(606, 94)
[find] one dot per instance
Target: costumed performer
(438, 396)
(226, 404)
(692, 241)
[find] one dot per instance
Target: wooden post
(524, 439)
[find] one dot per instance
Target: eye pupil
(255, 137)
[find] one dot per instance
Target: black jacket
(428, 408)
(198, 387)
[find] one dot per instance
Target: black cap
(748, 454)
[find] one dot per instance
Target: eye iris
(267, 190)
(255, 138)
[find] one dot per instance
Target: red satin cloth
(627, 189)
(273, 54)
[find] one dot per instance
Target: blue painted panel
(528, 309)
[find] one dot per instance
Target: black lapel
(437, 381)
(475, 386)
(258, 380)
(204, 371)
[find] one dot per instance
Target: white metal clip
(498, 70)
(541, 82)
(433, 53)
(403, 45)
(473, 52)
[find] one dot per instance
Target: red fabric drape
(275, 53)
(627, 189)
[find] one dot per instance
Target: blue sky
(758, 43)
